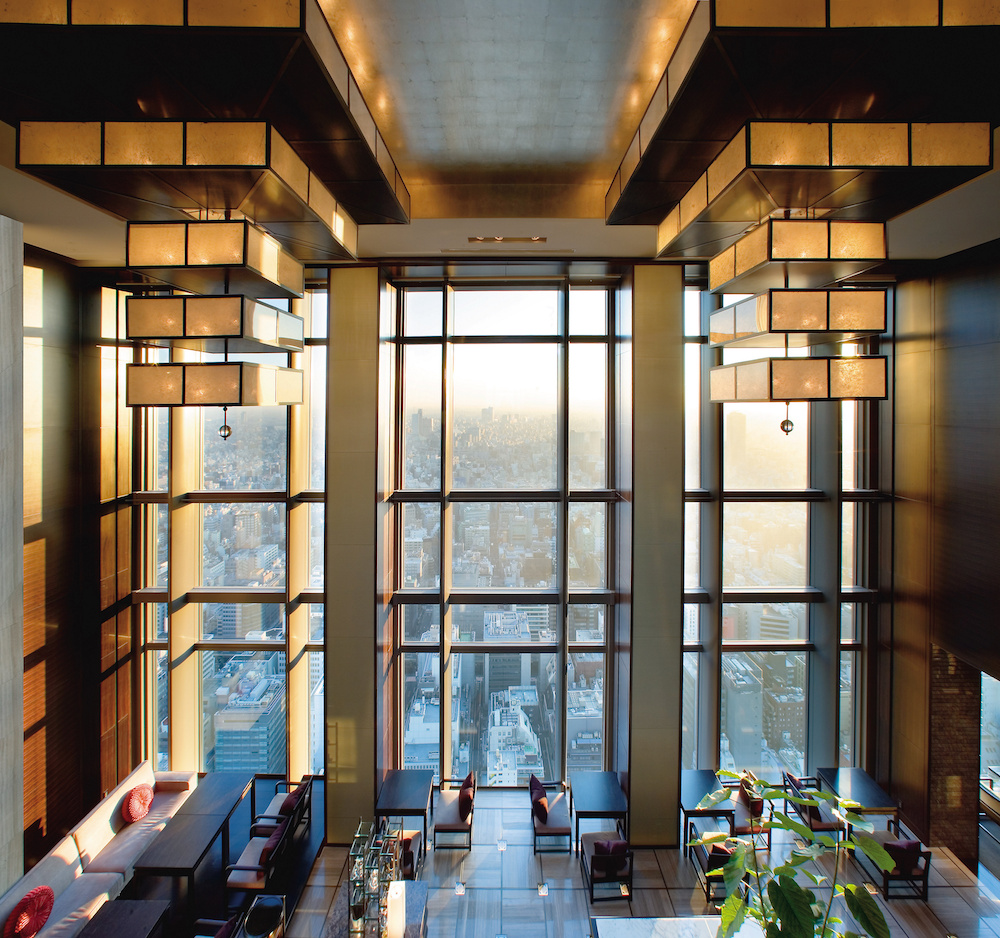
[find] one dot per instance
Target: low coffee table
(137, 918)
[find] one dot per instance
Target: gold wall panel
(849, 13)
(61, 142)
(790, 14)
(789, 143)
(870, 144)
(285, 14)
(128, 12)
(32, 11)
(226, 143)
(143, 143)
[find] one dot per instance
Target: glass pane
(239, 622)
(254, 458)
(504, 723)
(157, 462)
(420, 623)
(692, 545)
(243, 545)
(584, 713)
(422, 417)
(588, 368)
(692, 416)
(506, 312)
(586, 623)
(421, 544)
(692, 622)
(504, 545)
(764, 544)
(588, 526)
(161, 712)
(989, 739)
(316, 325)
(243, 696)
(757, 454)
(689, 711)
(765, 622)
(317, 416)
(317, 622)
(849, 444)
(588, 312)
(504, 406)
(692, 312)
(763, 715)
(423, 312)
(317, 713)
(422, 722)
(503, 624)
(848, 548)
(849, 622)
(154, 621)
(848, 660)
(155, 541)
(317, 544)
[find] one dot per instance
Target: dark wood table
(179, 848)
(137, 918)
(597, 795)
(857, 785)
(695, 785)
(406, 793)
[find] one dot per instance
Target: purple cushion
(229, 928)
(534, 785)
(905, 854)
(465, 802)
(292, 799)
(719, 856)
(610, 856)
(540, 807)
(272, 843)
(469, 781)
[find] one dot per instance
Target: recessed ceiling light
(506, 239)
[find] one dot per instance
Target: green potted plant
(771, 895)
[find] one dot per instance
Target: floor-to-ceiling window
(504, 513)
(778, 573)
(230, 589)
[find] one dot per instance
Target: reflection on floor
(502, 896)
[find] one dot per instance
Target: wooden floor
(502, 898)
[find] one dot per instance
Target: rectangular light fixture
(214, 257)
(212, 323)
(797, 253)
(799, 379)
(799, 318)
(214, 384)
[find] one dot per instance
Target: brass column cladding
(352, 405)
(12, 537)
(658, 553)
(184, 574)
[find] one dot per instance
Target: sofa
(92, 864)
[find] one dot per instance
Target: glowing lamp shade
(799, 379)
(799, 318)
(215, 384)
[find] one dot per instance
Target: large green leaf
(866, 911)
(733, 911)
(784, 822)
(793, 906)
(875, 852)
(714, 797)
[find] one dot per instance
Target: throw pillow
(465, 802)
(905, 854)
(719, 856)
(753, 802)
(30, 914)
(540, 808)
(292, 799)
(610, 856)
(229, 928)
(271, 845)
(137, 802)
(534, 785)
(407, 852)
(469, 781)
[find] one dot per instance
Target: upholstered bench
(817, 817)
(454, 812)
(550, 815)
(606, 860)
(913, 864)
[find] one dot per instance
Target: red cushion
(229, 928)
(469, 781)
(137, 802)
(754, 803)
(30, 914)
(272, 844)
(719, 856)
(465, 802)
(905, 854)
(540, 808)
(610, 856)
(292, 799)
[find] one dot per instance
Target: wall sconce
(799, 318)
(799, 379)
(215, 384)
(213, 257)
(797, 253)
(212, 323)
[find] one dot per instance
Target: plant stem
(833, 888)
